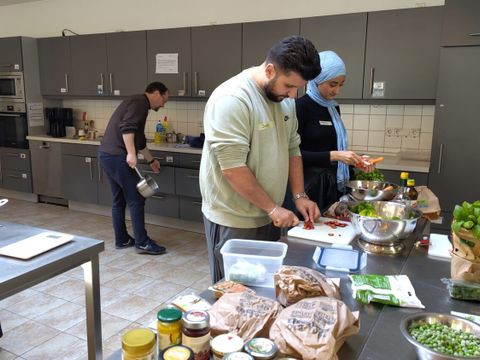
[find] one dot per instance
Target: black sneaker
(129, 243)
(150, 248)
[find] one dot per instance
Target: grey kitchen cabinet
(216, 56)
(455, 147)
(55, 65)
(188, 187)
(191, 209)
(402, 53)
(165, 179)
(461, 23)
(126, 62)
(89, 65)
(46, 168)
(171, 41)
(259, 37)
(393, 176)
(11, 54)
(187, 182)
(15, 169)
(344, 34)
(163, 205)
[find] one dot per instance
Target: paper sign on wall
(166, 64)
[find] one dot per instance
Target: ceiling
(14, 2)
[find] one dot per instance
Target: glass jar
(225, 344)
(177, 352)
(196, 333)
(138, 344)
(412, 192)
(169, 328)
(261, 348)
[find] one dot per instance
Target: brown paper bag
(314, 328)
(427, 202)
(464, 269)
(466, 245)
(294, 283)
(244, 314)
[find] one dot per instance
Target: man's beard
(269, 93)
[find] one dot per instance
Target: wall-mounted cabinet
(11, 54)
(461, 23)
(55, 65)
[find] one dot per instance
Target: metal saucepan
(3, 201)
(147, 185)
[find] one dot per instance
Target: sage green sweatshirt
(242, 127)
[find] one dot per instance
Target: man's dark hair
(156, 86)
(295, 53)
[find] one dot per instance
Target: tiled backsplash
(371, 128)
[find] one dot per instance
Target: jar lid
(261, 348)
(138, 340)
(227, 343)
(237, 356)
(169, 315)
(177, 352)
(411, 182)
(196, 319)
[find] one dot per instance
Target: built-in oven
(11, 87)
(13, 125)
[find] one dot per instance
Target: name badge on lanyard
(325, 123)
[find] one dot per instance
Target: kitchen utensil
(324, 233)
(147, 185)
(383, 231)
(455, 322)
(372, 190)
(35, 245)
(3, 201)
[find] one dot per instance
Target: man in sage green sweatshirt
(251, 150)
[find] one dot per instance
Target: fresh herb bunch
(467, 216)
(375, 175)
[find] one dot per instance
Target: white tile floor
(47, 321)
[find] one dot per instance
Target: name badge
(325, 123)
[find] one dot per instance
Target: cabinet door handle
(90, 168)
(199, 203)
(158, 197)
(6, 65)
(196, 161)
(474, 34)
(440, 156)
(99, 170)
(10, 115)
(66, 83)
(192, 177)
(101, 81)
(184, 83)
(44, 147)
(372, 75)
(195, 78)
(12, 154)
(110, 78)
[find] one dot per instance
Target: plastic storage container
(463, 290)
(252, 262)
(340, 258)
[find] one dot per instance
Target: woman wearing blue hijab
(324, 146)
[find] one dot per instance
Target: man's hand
(308, 208)
(132, 160)
(155, 166)
(282, 217)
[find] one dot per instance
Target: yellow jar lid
(404, 175)
(138, 341)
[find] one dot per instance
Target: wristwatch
(300, 195)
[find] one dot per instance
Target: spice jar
(177, 352)
(237, 356)
(261, 348)
(196, 333)
(138, 344)
(169, 328)
(225, 344)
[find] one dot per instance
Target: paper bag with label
(244, 314)
(314, 328)
(464, 269)
(427, 202)
(294, 283)
(466, 245)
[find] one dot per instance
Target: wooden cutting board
(324, 233)
(35, 245)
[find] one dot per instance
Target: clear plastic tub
(463, 290)
(340, 258)
(252, 262)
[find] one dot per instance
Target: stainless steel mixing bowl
(455, 322)
(382, 230)
(372, 190)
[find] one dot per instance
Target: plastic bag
(427, 202)
(394, 290)
(462, 289)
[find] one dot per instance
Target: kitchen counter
(395, 163)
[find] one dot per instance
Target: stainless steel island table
(17, 275)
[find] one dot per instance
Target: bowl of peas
(442, 336)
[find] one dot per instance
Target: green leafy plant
(375, 175)
(467, 216)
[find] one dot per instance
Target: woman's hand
(347, 157)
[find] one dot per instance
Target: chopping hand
(282, 217)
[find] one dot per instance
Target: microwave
(11, 87)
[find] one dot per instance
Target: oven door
(13, 130)
(11, 87)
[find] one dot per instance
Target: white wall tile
(375, 149)
(395, 109)
(182, 115)
(394, 121)
(390, 150)
(428, 110)
(360, 137)
(377, 122)
(358, 148)
(376, 138)
(361, 122)
(346, 109)
(378, 109)
(361, 109)
(413, 110)
(427, 124)
(193, 129)
(412, 122)
(426, 141)
(182, 127)
(183, 105)
(350, 137)
(409, 143)
(393, 141)
(347, 121)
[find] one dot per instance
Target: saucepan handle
(138, 172)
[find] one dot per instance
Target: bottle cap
(169, 315)
(411, 182)
(404, 175)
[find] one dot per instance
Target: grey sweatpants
(217, 235)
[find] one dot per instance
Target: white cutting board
(439, 247)
(35, 245)
(322, 232)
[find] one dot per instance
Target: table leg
(91, 275)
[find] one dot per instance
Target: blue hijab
(332, 66)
